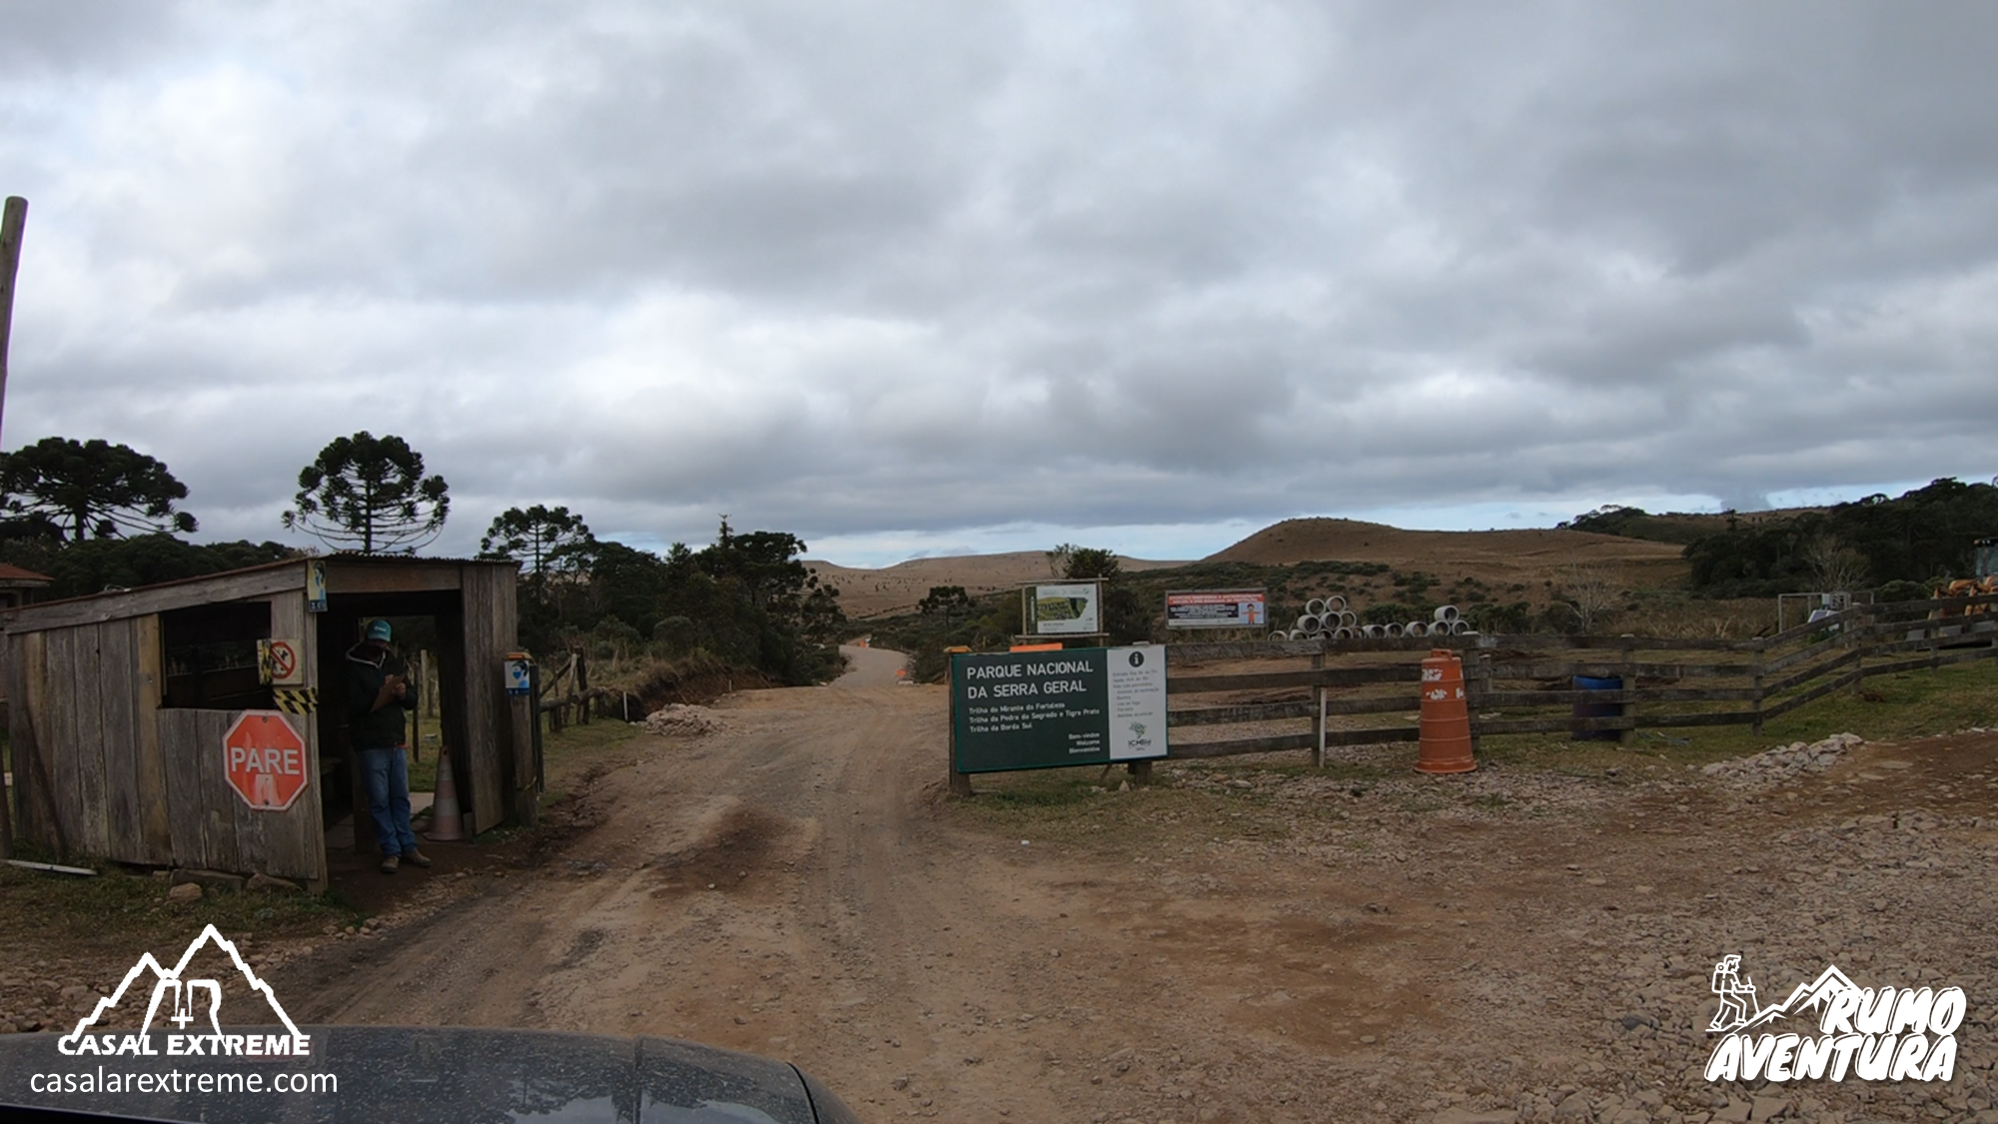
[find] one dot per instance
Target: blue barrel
(1597, 710)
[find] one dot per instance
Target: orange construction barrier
(1054, 647)
(1446, 716)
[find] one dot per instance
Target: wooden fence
(1316, 694)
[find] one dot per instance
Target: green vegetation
(49, 910)
(369, 494)
(1636, 523)
(139, 560)
(61, 486)
(580, 751)
(1885, 708)
(1918, 537)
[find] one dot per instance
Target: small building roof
(11, 575)
(262, 580)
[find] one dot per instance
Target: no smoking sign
(278, 663)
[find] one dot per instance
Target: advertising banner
(1217, 609)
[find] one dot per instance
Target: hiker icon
(1736, 992)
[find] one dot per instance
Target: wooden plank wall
(489, 632)
(211, 826)
(106, 773)
(295, 840)
(148, 685)
(35, 814)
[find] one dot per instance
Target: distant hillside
(865, 592)
(1676, 527)
(1519, 564)
(1528, 557)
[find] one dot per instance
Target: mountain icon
(188, 1003)
(1816, 994)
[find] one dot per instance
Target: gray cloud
(907, 267)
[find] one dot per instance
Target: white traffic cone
(446, 822)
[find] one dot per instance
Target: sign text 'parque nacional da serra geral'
(1072, 707)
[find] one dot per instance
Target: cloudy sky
(918, 278)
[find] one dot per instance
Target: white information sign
(1137, 702)
(1071, 607)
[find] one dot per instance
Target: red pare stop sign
(266, 760)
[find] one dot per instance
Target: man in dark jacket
(378, 692)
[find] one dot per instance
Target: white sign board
(1070, 607)
(1137, 702)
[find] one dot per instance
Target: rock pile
(683, 719)
(1784, 761)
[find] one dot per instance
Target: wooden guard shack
(120, 703)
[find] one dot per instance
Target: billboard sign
(1076, 707)
(1217, 609)
(1062, 608)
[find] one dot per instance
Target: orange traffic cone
(446, 822)
(1446, 716)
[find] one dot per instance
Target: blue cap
(378, 630)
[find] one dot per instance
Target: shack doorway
(427, 622)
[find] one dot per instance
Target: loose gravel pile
(1784, 761)
(683, 719)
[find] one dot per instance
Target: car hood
(418, 1074)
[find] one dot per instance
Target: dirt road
(1239, 944)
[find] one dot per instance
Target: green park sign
(1067, 707)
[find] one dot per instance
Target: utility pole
(12, 219)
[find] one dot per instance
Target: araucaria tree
(84, 488)
(545, 540)
(369, 494)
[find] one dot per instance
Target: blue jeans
(387, 775)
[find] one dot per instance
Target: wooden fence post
(1761, 651)
(526, 801)
(1864, 642)
(1318, 717)
(1140, 771)
(1483, 680)
(583, 688)
(1628, 735)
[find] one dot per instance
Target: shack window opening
(211, 656)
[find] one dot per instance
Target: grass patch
(1080, 808)
(1884, 708)
(46, 911)
(583, 749)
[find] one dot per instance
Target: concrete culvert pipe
(1372, 631)
(1393, 629)
(1342, 633)
(1445, 613)
(1459, 627)
(1279, 635)
(1415, 629)
(1315, 607)
(1308, 623)
(1335, 604)
(1349, 619)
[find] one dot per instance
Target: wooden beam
(356, 577)
(259, 583)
